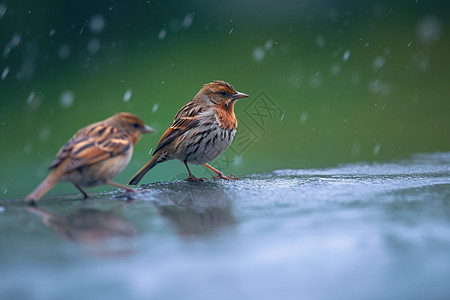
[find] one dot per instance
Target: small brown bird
(95, 154)
(202, 130)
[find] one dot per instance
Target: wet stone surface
(357, 231)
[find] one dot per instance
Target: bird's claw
(222, 176)
(193, 178)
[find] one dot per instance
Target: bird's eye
(223, 93)
(136, 125)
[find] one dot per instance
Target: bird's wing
(186, 118)
(92, 144)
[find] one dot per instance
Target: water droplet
(15, 40)
(93, 45)
(268, 44)
(356, 148)
(155, 107)
(258, 54)
(320, 41)
(33, 100)
(376, 149)
(231, 30)
(335, 69)
(379, 87)
(64, 51)
(303, 117)
(237, 161)
(378, 62)
(429, 29)
(44, 134)
(5, 73)
(52, 32)
(2, 10)
(66, 99)
(346, 55)
(187, 21)
(97, 23)
(127, 95)
(162, 34)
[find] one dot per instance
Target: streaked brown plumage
(95, 154)
(201, 131)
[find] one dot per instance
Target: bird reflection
(196, 209)
(101, 232)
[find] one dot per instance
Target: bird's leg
(220, 175)
(120, 186)
(85, 196)
(191, 177)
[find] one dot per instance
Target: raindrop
(356, 148)
(5, 73)
(268, 44)
(93, 45)
(26, 69)
(4, 193)
(320, 41)
(64, 51)
(2, 10)
(258, 54)
(33, 100)
(187, 21)
(237, 161)
(376, 149)
(409, 44)
(52, 32)
(162, 34)
(127, 95)
(15, 40)
(6, 50)
(346, 55)
(335, 69)
(379, 87)
(303, 117)
(231, 30)
(316, 80)
(27, 149)
(429, 29)
(2, 209)
(97, 23)
(155, 107)
(67, 98)
(44, 134)
(378, 62)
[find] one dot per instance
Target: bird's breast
(226, 118)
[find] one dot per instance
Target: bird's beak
(239, 95)
(147, 129)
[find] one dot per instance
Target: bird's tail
(43, 188)
(141, 173)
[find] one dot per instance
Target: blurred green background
(344, 81)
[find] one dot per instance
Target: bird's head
(131, 124)
(218, 93)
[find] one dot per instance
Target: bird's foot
(193, 178)
(222, 176)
